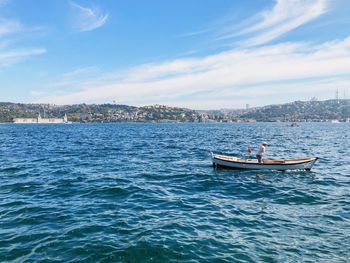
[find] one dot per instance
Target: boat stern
(310, 164)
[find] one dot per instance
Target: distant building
(41, 120)
(85, 116)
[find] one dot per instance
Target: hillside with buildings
(293, 112)
(98, 113)
(312, 110)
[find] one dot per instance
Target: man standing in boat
(261, 152)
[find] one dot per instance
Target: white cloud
(225, 77)
(285, 16)
(87, 19)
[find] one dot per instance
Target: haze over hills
(312, 110)
(295, 111)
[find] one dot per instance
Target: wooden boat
(253, 164)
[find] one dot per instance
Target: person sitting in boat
(261, 152)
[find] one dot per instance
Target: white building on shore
(41, 120)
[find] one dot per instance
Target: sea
(138, 192)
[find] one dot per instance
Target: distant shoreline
(151, 122)
(297, 111)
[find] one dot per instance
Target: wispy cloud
(284, 17)
(268, 25)
(3, 2)
(8, 58)
(87, 19)
(8, 27)
(226, 79)
(11, 31)
(194, 33)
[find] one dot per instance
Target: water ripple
(148, 193)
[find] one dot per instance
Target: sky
(198, 54)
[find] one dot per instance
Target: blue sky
(189, 53)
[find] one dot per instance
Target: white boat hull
(252, 164)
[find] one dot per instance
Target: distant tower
(337, 95)
(344, 97)
(247, 106)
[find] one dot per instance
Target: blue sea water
(148, 193)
